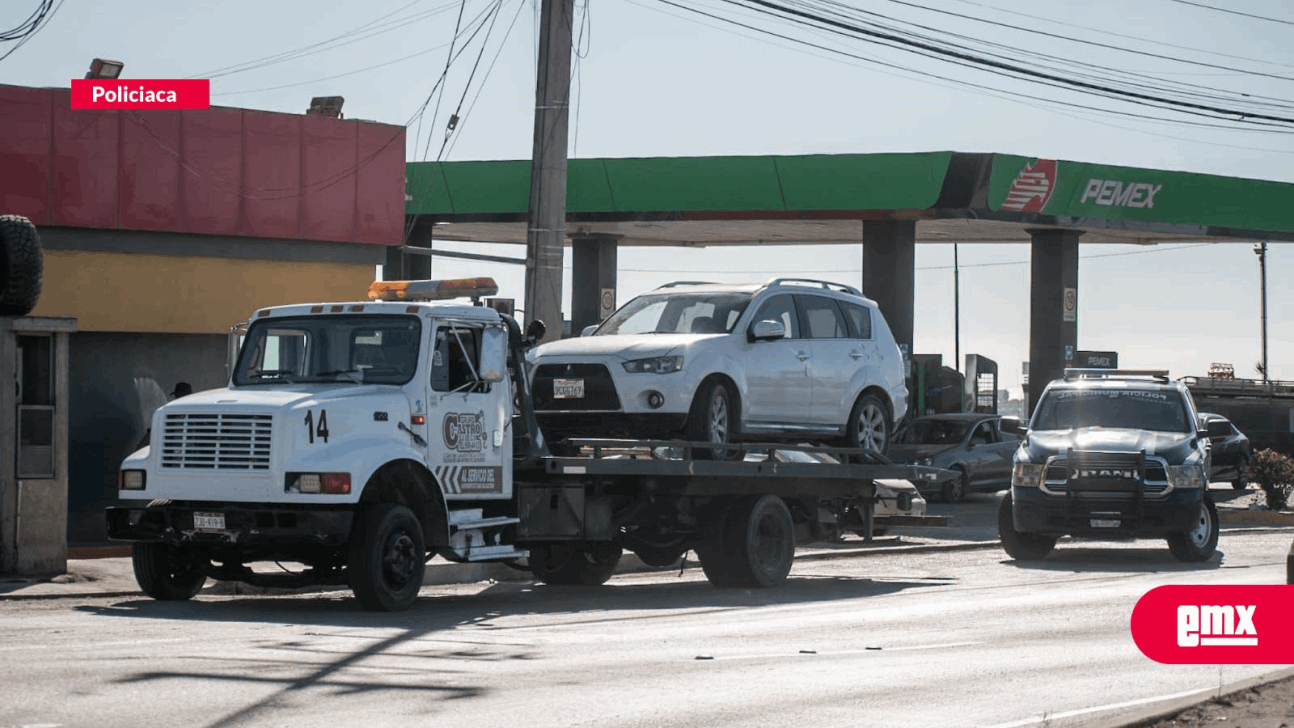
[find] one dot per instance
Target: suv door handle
(801, 355)
(857, 354)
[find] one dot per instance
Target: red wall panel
(25, 138)
(272, 170)
(85, 165)
(379, 206)
(212, 176)
(150, 170)
(219, 171)
(328, 179)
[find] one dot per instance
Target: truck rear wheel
(167, 573)
(755, 546)
(1020, 545)
(21, 265)
(565, 564)
(387, 558)
(1199, 543)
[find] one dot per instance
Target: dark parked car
(1232, 452)
(968, 443)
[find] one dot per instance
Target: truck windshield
(328, 349)
(677, 313)
(1135, 409)
(934, 432)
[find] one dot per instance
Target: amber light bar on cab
(437, 290)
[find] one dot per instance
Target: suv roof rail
(825, 284)
(1086, 373)
(673, 284)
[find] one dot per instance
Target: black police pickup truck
(1110, 454)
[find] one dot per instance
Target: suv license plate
(209, 522)
(568, 389)
(1103, 523)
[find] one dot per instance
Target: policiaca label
(1113, 193)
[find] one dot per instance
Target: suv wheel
(1199, 543)
(869, 425)
(1242, 475)
(1020, 545)
(713, 419)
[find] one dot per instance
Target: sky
(653, 79)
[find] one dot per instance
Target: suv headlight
(1187, 476)
(1027, 475)
(656, 365)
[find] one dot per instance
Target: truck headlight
(327, 483)
(130, 480)
(1027, 475)
(656, 365)
(1187, 476)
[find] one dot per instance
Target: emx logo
(1235, 624)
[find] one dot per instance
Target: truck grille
(599, 390)
(1106, 475)
(217, 441)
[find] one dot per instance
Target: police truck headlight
(1027, 475)
(1187, 476)
(130, 480)
(654, 365)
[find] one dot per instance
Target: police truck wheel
(713, 418)
(1020, 545)
(565, 564)
(387, 558)
(21, 265)
(755, 546)
(1199, 543)
(167, 573)
(869, 425)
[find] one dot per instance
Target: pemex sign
(1081, 190)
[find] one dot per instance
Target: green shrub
(1274, 473)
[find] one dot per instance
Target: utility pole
(547, 219)
(957, 312)
(1261, 251)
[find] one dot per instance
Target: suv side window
(860, 320)
(822, 318)
(780, 308)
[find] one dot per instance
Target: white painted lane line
(1039, 720)
(843, 653)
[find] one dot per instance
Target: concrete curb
(1150, 716)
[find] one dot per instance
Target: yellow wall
(185, 295)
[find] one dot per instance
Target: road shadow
(1083, 558)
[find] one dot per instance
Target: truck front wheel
(564, 564)
(1020, 545)
(167, 573)
(1199, 543)
(387, 558)
(754, 547)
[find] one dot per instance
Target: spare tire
(21, 265)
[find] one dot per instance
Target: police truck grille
(226, 441)
(599, 390)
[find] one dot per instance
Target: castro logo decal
(464, 432)
(1212, 625)
(1031, 189)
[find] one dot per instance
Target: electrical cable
(1233, 12)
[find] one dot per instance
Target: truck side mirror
(494, 354)
(1013, 426)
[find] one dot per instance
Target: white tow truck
(362, 439)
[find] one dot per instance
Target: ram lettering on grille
(222, 441)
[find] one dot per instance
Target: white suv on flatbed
(791, 359)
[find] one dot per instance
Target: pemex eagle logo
(1031, 189)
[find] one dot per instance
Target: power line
(1233, 12)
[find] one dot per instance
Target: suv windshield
(360, 349)
(1134, 409)
(934, 432)
(677, 313)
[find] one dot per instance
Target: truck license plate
(1105, 523)
(209, 522)
(568, 389)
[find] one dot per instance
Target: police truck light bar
(1089, 373)
(473, 288)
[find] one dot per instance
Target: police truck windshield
(1135, 409)
(330, 349)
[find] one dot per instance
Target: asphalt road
(936, 638)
